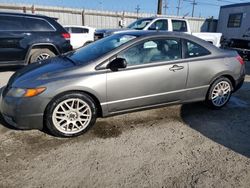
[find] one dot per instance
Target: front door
(155, 74)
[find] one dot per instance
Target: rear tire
(70, 115)
(219, 93)
(40, 54)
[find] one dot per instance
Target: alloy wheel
(221, 93)
(42, 56)
(71, 116)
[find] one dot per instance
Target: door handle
(175, 68)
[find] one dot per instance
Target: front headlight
(20, 92)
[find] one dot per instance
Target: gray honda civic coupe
(121, 73)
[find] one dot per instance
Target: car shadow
(10, 69)
(229, 126)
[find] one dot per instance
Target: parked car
(26, 38)
(80, 35)
(121, 73)
(162, 24)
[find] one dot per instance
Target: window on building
(234, 20)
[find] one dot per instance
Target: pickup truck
(162, 24)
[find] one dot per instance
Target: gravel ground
(178, 146)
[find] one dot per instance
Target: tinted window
(35, 24)
(195, 50)
(179, 25)
(234, 20)
(153, 51)
(160, 25)
(12, 23)
(79, 30)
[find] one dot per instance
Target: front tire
(71, 114)
(219, 93)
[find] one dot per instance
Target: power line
(193, 3)
(178, 7)
(165, 7)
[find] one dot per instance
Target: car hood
(41, 71)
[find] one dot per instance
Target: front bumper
(22, 113)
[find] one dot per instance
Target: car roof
(164, 17)
(141, 33)
(148, 34)
(24, 14)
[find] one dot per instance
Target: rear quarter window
(195, 50)
(36, 24)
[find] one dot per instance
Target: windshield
(140, 24)
(99, 48)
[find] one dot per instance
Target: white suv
(80, 35)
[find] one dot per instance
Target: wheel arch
(49, 46)
(226, 75)
(96, 100)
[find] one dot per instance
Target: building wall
(223, 21)
(93, 18)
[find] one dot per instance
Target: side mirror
(118, 63)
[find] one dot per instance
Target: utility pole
(165, 6)
(137, 10)
(159, 8)
(100, 3)
(194, 3)
(178, 7)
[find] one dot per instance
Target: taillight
(66, 36)
(240, 59)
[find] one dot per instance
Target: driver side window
(159, 25)
(151, 51)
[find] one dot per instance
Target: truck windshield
(99, 48)
(140, 24)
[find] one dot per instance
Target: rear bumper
(239, 83)
(21, 113)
